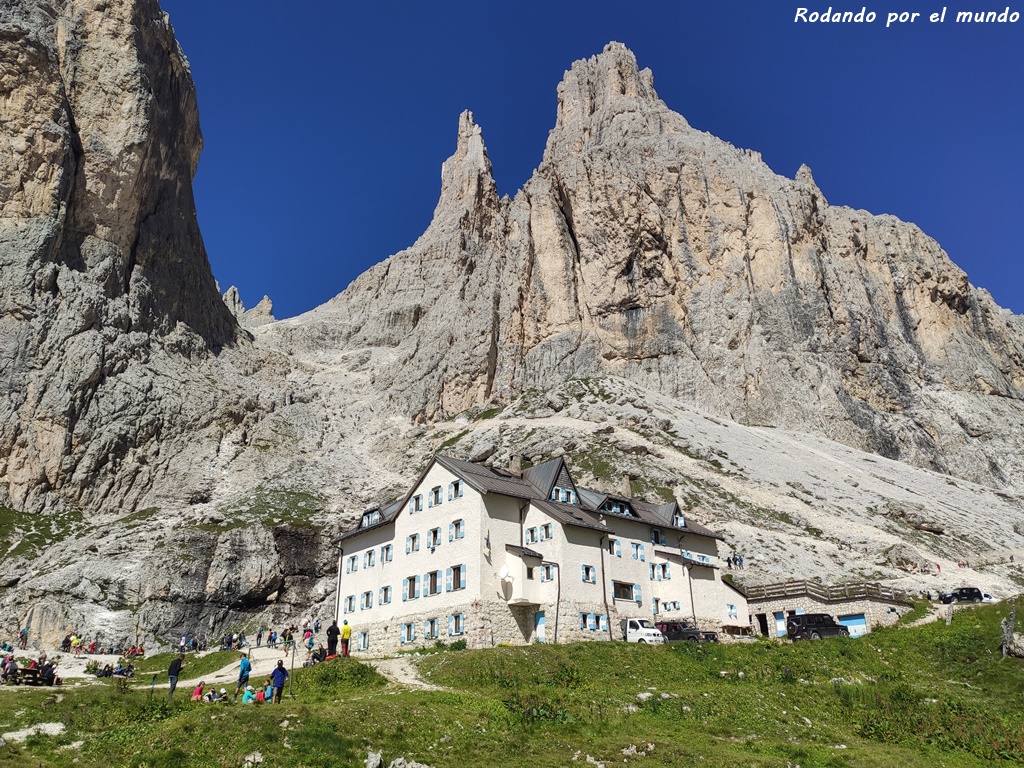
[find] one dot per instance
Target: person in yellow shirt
(346, 635)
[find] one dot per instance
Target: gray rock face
(108, 310)
(649, 250)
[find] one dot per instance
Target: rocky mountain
(654, 303)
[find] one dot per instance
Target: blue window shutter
(583, 572)
(636, 592)
(430, 500)
(416, 587)
(451, 531)
(462, 577)
(450, 491)
(405, 589)
(448, 580)
(668, 570)
(603, 622)
(408, 544)
(380, 596)
(618, 548)
(654, 536)
(642, 553)
(591, 621)
(451, 625)
(411, 509)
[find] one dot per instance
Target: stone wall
(877, 612)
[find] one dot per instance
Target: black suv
(677, 631)
(963, 595)
(814, 626)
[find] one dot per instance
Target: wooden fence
(834, 593)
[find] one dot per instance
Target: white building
(491, 556)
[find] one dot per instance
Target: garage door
(856, 623)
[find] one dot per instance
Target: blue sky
(326, 123)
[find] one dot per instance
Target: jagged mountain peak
(604, 98)
(466, 179)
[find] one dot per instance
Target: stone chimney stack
(515, 464)
(626, 485)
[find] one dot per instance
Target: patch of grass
(194, 665)
(25, 535)
(899, 697)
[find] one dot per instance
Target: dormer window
(616, 507)
(371, 517)
(564, 495)
(679, 520)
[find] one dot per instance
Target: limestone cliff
(646, 249)
(109, 314)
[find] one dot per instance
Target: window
(456, 624)
(412, 543)
(593, 622)
(455, 490)
(547, 573)
(408, 633)
(704, 559)
(362, 641)
(623, 591)
(416, 505)
(369, 558)
(410, 587)
(430, 629)
(660, 572)
(366, 601)
(564, 495)
(679, 520)
(588, 573)
(457, 530)
(529, 573)
(638, 551)
(546, 532)
(432, 583)
(616, 507)
(433, 538)
(387, 553)
(371, 517)
(531, 536)
(658, 536)
(615, 547)
(350, 604)
(352, 564)
(731, 611)
(455, 578)
(434, 499)
(384, 595)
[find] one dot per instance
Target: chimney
(515, 464)
(626, 485)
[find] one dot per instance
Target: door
(856, 623)
(539, 624)
(780, 624)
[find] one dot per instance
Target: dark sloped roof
(387, 515)
(570, 514)
(543, 475)
(485, 480)
(523, 551)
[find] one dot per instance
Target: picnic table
(30, 676)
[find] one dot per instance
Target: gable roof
(535, 485)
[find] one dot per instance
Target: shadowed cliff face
(646, 249)
(108, 308)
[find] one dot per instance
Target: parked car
(987, 598)
(814, 626)
(963, 595)
(640, 631)
(677, 631)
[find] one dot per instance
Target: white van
(640, 631)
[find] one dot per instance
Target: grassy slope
(929, 696)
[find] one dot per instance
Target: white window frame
(350, 604)
(457, 530)
(366, 600)
(385, 595)
(588, 573)
(408, 632)
(387, 553)
(430, 629)
(457, 624)
(436, 497)
(369, 558)
(352, 564)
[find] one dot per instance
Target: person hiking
(172, 674)
(244, 668)
(346, 635)
(278, 677)
(332, 638)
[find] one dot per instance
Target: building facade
(491, 556)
